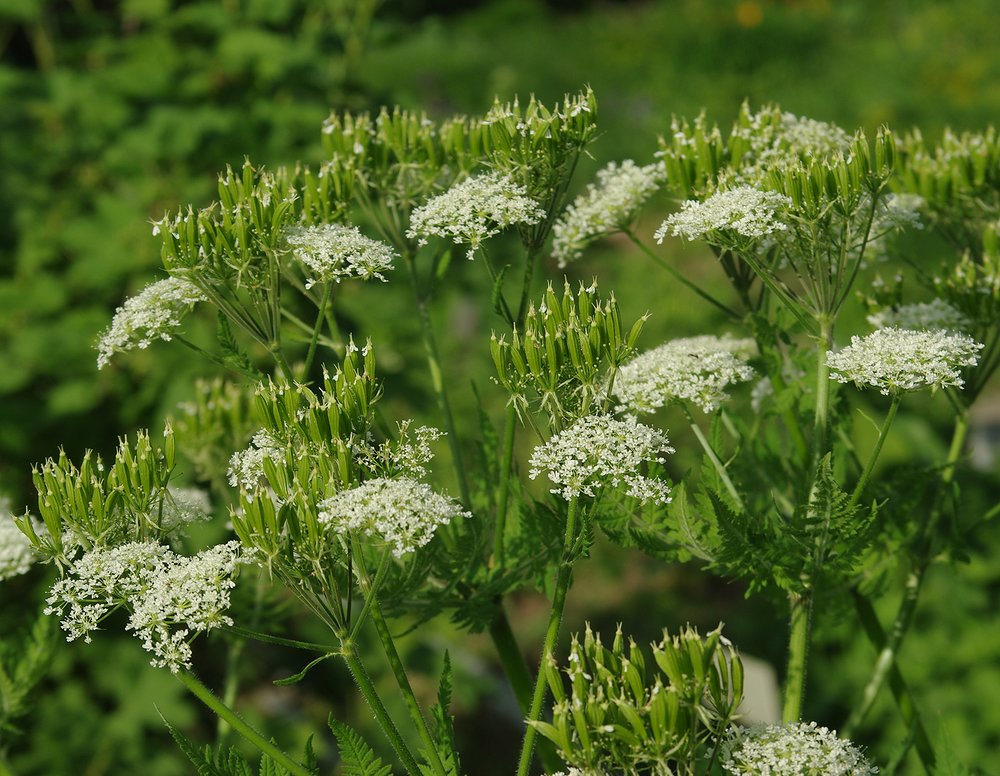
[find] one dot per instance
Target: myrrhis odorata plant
(366, 514)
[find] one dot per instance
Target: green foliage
(356, 757)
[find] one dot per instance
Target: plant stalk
(720, 468)
(798, 654)
(209, 698)
(551, 635)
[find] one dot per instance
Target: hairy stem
(206, 696)
(403, 681)
(551, 634)
(800, 606)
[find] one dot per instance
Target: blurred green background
(113, 112)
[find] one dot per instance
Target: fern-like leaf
(356, 757)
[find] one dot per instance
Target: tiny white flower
(607, 207)
(895, 360)
(401, 511)
(474, 210)
(745, 210)
(155, 313)
(332, 252)
(601, 451)
(246, 467)
(792, 749)
(696, 369)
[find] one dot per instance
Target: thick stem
(364, 683)
(403, 681)
(798, 655)
(207, 697)
(551, 634)
(821, 418)
(511, 658)
(882, 433)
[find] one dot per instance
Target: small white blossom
(696, 369)
(936, 314)
(332, 252)
(599, 451)
(607, 207)
(792, 749)
(474, 210)
(155, 313)
(408, 454)
(402, 512)
(895, 360)
(745, 210)
(16, 554)
(170, 596)
(246, 468)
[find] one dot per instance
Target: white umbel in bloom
(474, 210)
(155, 313)
(401, 511)
(792, 749)
(895, 360)
(601, 451)
(607, 207)
(936, 314)
(745, 210)
(16, 555)
(171, 597)
(332, 252)
(695, 369)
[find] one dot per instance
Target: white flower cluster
(792, 749)
(607, 207)
(777, 140)
(16, 554)
(171, 597)
(474, 210)
(895, 360)
(181, 507)
(401, 511)
(246, 467)
(696, 369)
(936, 314)
(745, 210)
(408, 454)
(155, 313)
(332, 252)
(599, 451)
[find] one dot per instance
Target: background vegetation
(116, 111)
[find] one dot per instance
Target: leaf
(296, 678)
(356, 757)
(444, 728)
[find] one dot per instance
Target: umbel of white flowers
(332, 252)
(745, 210)
(171, 597)
(607, 207)
(792, 749)
(401, 512)
(936, 314)
(16, 555)
(895, 360)
(600, 451)
(155, 313)
(695, 369)
(474, 210)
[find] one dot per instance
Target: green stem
(551, 634)
(267, 638)
(506, 466)
(206, 696)
(897, 684)
(720, 468)
(798, 654)
(511, 658)
(367, 689)
(403, 681)
(437, 382)
(889, 648)
(694, 287)
(321, 316)
(822, 389)
(882, 433)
